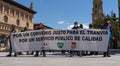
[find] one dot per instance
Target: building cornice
(19, 6)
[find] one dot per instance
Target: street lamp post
(119, 15)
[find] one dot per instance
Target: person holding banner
(13, 30)
(72, 52)
(108, 26)
(92, 52)
(42, 51)
(81, 52)
(23, 30)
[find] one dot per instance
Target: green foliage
(115, 28)
(113, 22)
(97, 24)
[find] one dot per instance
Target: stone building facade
(97, 11)
(13, 13)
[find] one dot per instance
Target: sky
(61, 14)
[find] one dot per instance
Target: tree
(97, 24)
(113, 21)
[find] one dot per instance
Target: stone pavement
(59, 60)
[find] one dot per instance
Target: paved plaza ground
(59, 60)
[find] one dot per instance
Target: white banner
(81, 39)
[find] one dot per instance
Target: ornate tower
(31, 6)
(97, 11)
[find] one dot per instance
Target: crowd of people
(106, 25)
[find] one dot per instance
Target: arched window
(27, 24)
(30, 18)
(6, 9)
(17, 13)
(18, 22)
(5, 18)
(12, 11)
(22, 15)
(95, 5)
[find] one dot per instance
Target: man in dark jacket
(72, 52)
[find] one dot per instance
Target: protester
(81, 52)
(108, 26)
(25, 29)
(72, 52)
(92, 52)
(13, 30)
(42, 51)
(90, 26)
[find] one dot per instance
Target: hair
(13, 27)
(41, 26)
(81, 26)
(25, 28)
(75, 22)
(90, 26)
(41, 23)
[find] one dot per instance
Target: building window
(2, 40)
(26, 17)
(95, 5)
(5, 18)
(17, 13)
(30, 18)
(22, 15)
(27, 24)
(18, 22)
(6, 9)
(2, 27)
(12, 11)
(7, 28)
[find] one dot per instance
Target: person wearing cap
(13, 30)
(72, 52)
(108, 26)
